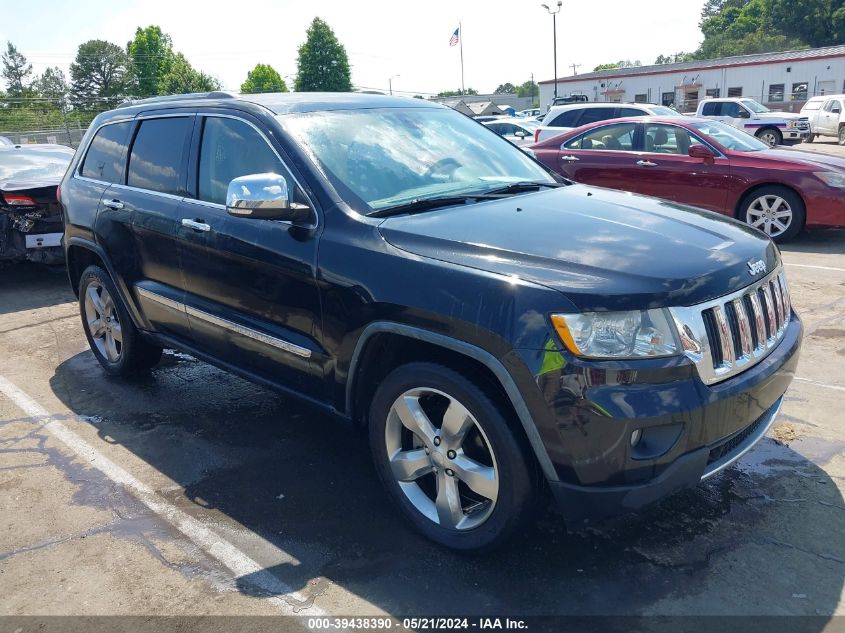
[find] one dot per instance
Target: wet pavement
(293, 490)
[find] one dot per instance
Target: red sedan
(706, 164)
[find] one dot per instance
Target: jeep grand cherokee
(499, 332)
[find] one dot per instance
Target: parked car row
(501, 332)
(773, 128)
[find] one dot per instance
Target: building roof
(706, 64)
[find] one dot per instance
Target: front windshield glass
(393, 156)
(729, 137)
(43, 163)
(663, 111)
(754, 106)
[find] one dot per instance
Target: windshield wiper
(423, 204)
(519, 187)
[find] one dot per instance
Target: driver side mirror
(264, 197)
(744, 114)
(701, 151)
(521, 134)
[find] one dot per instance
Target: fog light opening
(635, 437)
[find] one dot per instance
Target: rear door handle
(196, 225)
(646, 163)
(115, 204)
(569, 159)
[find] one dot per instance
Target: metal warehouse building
(783, 81)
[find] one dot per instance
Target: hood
(19, 185)
(812, 160)
(603, 249)
(787, 116)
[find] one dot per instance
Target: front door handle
(569, 159)
(646, 163)
(196, 225)
(115, 204)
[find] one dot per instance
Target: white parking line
(239, 563)
(839, 270)
(820, 384)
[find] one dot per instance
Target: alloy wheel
(103, 322)
(441, 459)
(770, 214)
(769, 138)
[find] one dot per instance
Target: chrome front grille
(728, 335)
(803, 124)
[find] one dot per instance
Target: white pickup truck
(827, 117)
(774, 128)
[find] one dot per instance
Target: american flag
(455, 38)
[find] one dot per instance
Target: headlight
(832, 178)
(792, 124)
(635, 334)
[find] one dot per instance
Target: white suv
(565, 117)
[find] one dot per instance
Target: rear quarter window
(592, 115)
(565, 119)
(710, 109)
(106, 156)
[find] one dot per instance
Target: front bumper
(690, 430)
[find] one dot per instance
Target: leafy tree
(182, 78)
(674, 59)
(528, 89)
(322, 64)
(263, 78)
(98, 75)
(16, 71)
(51, 84)
(506, 88)
(622, 63)
(458, 92)
(151, 55)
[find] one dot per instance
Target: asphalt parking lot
(192, 492)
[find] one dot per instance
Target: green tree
(674, 59)
(322, 64)
(458, 92)
(528, 89)
(506, 88)
(151, 56)
(51, 84)
(263, 78)
(98, 75)
(622, 63)
(16, 71)
(182, 78)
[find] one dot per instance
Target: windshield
(34, 164)
(729, 137)
(393, 156)
(754, 106)
(663, 111)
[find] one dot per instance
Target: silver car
(517, 130)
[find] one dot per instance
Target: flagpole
(461, 42)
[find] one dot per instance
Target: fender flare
(122, 291)
(471, 351)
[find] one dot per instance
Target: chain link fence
(42, 120)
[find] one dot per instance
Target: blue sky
(503, 41)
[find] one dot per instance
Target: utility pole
(575, 68)
(390, 82)
(554, 34)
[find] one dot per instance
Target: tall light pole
(390, 82)
(554, 13)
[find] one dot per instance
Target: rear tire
(842, 135)
(770, 136)
(778, 212)
(115, 341)
(469, 490)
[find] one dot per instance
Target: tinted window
(625, 112)
(618, 138)
(232, 148)
(104, 160)
(565, 119)
(592, 115)
(710, 109)
(155, 162)
(731, 109)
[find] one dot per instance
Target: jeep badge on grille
(757, 267)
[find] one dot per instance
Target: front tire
(842, 135)
(115, 341)
(449, 458)
(777, 211)
(770, 136)
(810, 138)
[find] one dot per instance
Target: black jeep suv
(499, 332)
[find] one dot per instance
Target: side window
(626, 112)
(619, 138)
(731, 109)
(668, 139)
(232, 148)
(104, 160)
(496, 127)
(566, 119)
(155, 162)
(592, 115)
(710, 109)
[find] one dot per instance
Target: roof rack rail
(216, 94)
